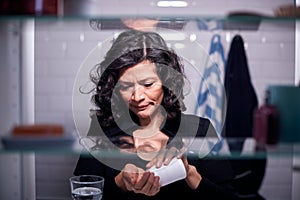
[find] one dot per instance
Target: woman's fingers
(142, 182)
(170, 154)
(148, 184)
(157, 160)
(165, 156)
(131, 175)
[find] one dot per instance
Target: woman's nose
(138, 94)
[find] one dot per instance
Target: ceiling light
(173, 36)
(193, 37)
(178, 4)
(179, 45)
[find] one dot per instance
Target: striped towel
(211, 90)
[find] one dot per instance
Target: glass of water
(87, 187)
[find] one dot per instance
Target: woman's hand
(135, 179)
(193, 178)
(164, 157)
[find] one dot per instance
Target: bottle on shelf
(266, 123)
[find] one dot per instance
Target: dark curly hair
(128, 49)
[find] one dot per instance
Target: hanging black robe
(240, 93)
(241, 103)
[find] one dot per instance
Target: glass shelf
(234, 148)
(235, 21)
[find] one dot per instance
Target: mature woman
(139, 95)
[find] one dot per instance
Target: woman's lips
(143, 107)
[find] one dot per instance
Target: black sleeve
(217, 176)
(87, 165)
(209, 189)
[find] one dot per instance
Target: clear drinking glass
(87, 187)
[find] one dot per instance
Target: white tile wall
(61, 47)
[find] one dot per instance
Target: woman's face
(141, 88)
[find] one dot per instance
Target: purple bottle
(266, 123)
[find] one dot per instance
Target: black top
(216, 174)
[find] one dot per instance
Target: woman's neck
(151, 126)
(155, 120)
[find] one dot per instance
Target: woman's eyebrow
(148, 79)
(125, 82)
(139, 81)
